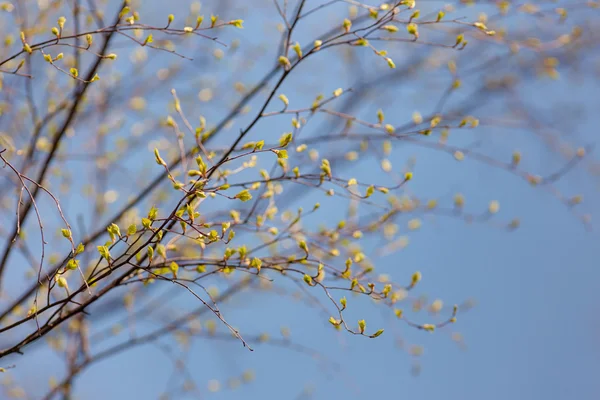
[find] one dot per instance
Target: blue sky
(533, 332)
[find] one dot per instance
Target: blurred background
(528, 323)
